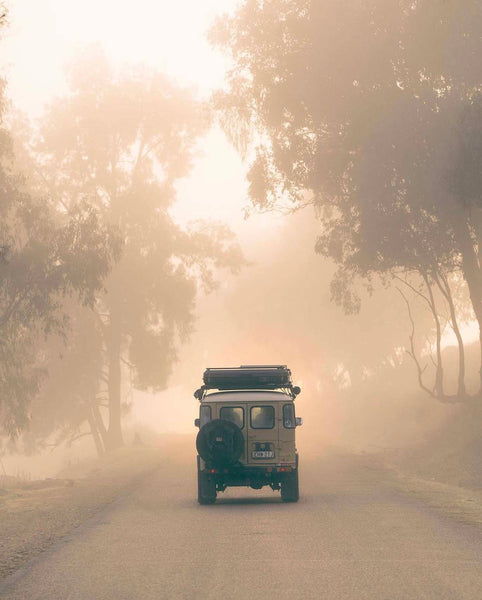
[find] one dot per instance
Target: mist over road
(351, 536)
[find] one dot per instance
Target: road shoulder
(461, 503)
(36, 515)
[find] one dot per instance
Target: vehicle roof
(247, 396)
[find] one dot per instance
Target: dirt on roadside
(34, 515)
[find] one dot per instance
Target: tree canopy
(119, 141)
(47, 256)
(370, 111)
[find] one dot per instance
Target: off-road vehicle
(246, 433)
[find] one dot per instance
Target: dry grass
(463, 504)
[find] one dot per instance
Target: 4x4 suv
(247, 431)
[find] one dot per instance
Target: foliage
(47, 257)
(370, 111)
(119, 141)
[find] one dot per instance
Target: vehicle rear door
(287, 425)
(262, 432)
(236, 412)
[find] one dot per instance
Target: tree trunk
(114, 432)
(99, 422)
(439, 373)
(471, 271)
(95, 432)
(461, 391)
(444, 287)
(412, 352)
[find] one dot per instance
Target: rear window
(289, 416)
(204, 415)
(262, 417)
(235, 414)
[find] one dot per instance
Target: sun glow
(168, 35)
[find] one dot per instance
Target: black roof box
(264, 377)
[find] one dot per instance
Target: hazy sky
(167, 34)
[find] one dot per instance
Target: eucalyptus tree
(120, 141)
(47, 259)
(370, 111)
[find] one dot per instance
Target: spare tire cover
(220, 442)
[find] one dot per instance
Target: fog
(206, 214)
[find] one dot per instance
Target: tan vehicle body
(266, 424)
(280, 438)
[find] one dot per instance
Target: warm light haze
(240, 300)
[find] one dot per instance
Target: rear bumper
(249, 476)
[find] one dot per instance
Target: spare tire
(220, 442)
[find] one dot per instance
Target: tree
(369, 111)
(69, 398)
(47, 257)
(120, 141)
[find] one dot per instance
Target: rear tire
(290, 487)
(206, 488)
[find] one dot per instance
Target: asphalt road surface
(351, 536)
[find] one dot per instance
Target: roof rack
(264, 367)
(247, 377)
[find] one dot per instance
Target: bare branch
(126, 362)
(431, 356)
(439, 374)
(412, 352)
(414, 289)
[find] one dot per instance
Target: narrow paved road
(351, 536)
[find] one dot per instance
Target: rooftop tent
(266, 377)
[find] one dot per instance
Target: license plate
(262, 454)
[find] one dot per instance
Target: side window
(234, 414)
(262, 417)
(204, 415)
(289, 416)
